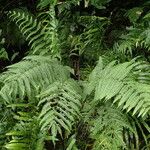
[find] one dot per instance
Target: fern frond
(93, 32)
(61, 104)
(134, 14)
(45, 3)
(137, 37)
(51, 33)
(121, 84)
(41, 35)
(108, 129)
(129, 42)
(28, 77)
(71, 143)
(25, 134)
(3, 53)
(6, 123)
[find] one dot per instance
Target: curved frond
(61, 104)
(28, 77)
(122, 84)
(41, 35)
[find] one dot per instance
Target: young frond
(121, 84)
(61, 104)
(50, 24)
(28, 77)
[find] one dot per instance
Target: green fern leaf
(61, 104)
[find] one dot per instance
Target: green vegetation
(75, 75)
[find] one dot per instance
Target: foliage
(108, 127)
(43, 105)
(3, 53)
(62, 102)
(25, 78)
(137, 36)
(37, 32)
(121, 82)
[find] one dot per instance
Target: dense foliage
(75, 75)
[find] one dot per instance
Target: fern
(93, 33)
(61, 104)
(99, 4)
(3, 53)
(25, 134)
(134, 14)
(109, 127)
(41, 35)
(50, 26)
(137, 37)
(119, 83)
(42, 107)
(6, 123)
(59, 100)
(45, 3)
(72, 143)
(28, 77)
(129, 42)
